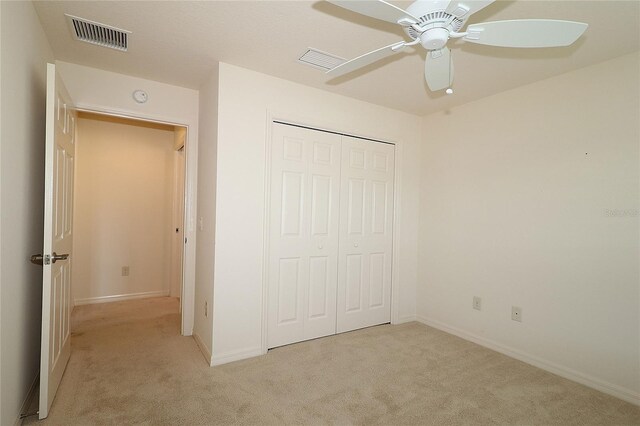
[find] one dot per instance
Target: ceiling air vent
(98, 34)
(320, 60)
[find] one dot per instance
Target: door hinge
(25, 415)
(185, 241)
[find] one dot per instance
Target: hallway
(127, 357)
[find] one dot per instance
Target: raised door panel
(56, 296)
(353, 282)
(320, 272)
(379, 204)
(377, 266)
(292, 199)
(66, 302)
(321, 192)
(357, 158)
(324, 154)
(356, 206)
(68, 196)
(59, 193)
(289, 287)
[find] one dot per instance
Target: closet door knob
(355, 244)
(320, 246)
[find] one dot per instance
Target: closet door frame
(273, 117)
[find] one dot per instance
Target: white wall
(105, 91)
(206, 223)
(24, 52)
(123, 210)
(246, 99)
(530, 198)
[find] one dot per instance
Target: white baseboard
(568, 373)
(405, 319)
(119, 297)
(203, 348)
(227, 357)
(28, 399)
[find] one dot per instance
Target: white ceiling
(179, 42)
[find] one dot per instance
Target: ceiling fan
(431, 23)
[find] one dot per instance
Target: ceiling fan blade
(378, 9)
(465, 8)
(438, 69)
(366, 59)
(526, 33)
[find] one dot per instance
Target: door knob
(355, 244)
(320, 246)
(55, 257)
(39, 259)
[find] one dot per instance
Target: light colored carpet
(129, 365)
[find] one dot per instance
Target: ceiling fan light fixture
(434, 38)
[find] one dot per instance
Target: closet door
(303, 251)
(366, 218)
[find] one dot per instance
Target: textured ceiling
(179, 42)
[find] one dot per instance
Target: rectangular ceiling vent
(320, 60)
(98, 34)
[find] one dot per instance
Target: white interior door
(303, 251)
(366, 218)
(57, 245)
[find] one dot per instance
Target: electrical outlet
(516, 313)
(477, 303)
(206, 309)
(125, 271)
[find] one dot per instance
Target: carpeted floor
(129, 365)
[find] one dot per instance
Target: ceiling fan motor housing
(435, 22)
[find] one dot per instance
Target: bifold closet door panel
(366, 219)
(303, 240)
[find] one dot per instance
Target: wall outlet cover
(477, 303)
(516, 313)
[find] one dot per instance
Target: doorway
(128, 227)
